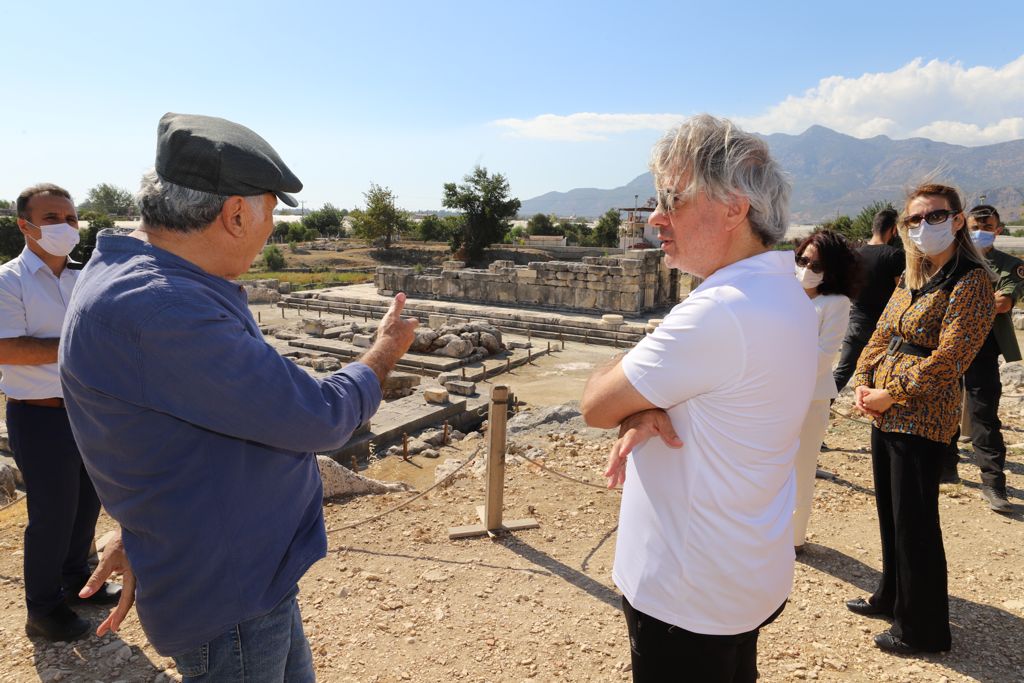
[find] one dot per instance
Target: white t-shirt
(705, 536)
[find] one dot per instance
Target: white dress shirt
(33, 302)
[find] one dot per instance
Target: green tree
(606, 232)
(297, 232)
(381, 219)
(87, 235)
(486, 210)
(841, 224)
(328, 220)
(433, 228)
(6, 205)
(273, 259)
(281, 230)
(541, 224)
(109, 199)
(860, 228)
(11, 239)
(574, 231)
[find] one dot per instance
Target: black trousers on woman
(913, 585)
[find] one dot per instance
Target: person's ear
(959, 221)
(737, 209)
(233, 216)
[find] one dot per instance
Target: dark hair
(987, 207)
(884, 221)
(841, 263)
(41, 188)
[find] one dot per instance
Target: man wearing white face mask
(35, 289)
(981, 380)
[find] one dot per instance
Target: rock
(457, 348)
(519, 345)
(424, 340)
(612, 319)
(429, 453)
(123, 653)
(399, 384)
(435, 394)
(443, 339)
(534, 418)
(1012, 377)
(8, 484)
(462, 388)
(285, 335)
(490, 342)
(436, 321)
(328, 364)
(445, 377)
(314, 326)
(362, 340)
(339, 480)
(445, 469)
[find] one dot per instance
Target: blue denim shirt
(199, 438)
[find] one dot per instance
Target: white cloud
(940, 100)
(586, 126)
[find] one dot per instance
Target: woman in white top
(828, 269)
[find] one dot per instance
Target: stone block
(314, 326)
(518, 344)
(284, 288)
(526, 275)
(337, 332)
(362, 340)
(445, 377)
(436, 321)
(564, 275)
(461, 387)
(328, 364)
(453, 265)
(612, 319)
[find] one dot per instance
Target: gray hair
(175, 207)
(723, 161)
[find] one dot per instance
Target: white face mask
(983, 239)
(58, 239)
(808, 278)
(932, 239)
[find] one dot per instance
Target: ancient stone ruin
(629, 284)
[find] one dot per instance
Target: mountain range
(835, 174)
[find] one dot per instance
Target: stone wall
(630, 284)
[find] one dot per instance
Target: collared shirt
(33, 302)
(1003, 339)
(951, 315)
(199, 438)
(705, 532)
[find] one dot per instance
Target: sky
(554, 95)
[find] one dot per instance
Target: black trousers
(662, 652)
(858, 333)
(62, 504)
(913, 584)
(983, 390)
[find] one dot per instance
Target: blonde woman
(907, 380)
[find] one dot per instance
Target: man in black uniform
(882, 266)
(981, 381)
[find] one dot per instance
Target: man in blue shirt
(198, 435)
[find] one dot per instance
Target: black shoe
(949, 476)
(60, 624)
(108, 594)
(996, 498)
(890, 643)
(798, 550)
(866, 609)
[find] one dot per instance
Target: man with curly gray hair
(704, 555)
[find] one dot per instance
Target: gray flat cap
(220, 157)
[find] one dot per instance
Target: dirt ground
(396, 600)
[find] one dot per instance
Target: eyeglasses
(667, 199)
(936, 217)
(815, 266)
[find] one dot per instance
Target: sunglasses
(815, 266)
(667, 199)
(936, 217)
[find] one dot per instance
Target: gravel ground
(396, 600)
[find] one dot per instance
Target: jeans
(267, 649)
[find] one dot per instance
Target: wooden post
(549, 347)
(463, 372)
(490, 511)
(508, 364)
(405, 446)
(444, 439)
(282, 311)
(561, 339)
(259, 317)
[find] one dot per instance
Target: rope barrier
(560, 474)
(407, 502)
(12, 503)
(851, 418)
